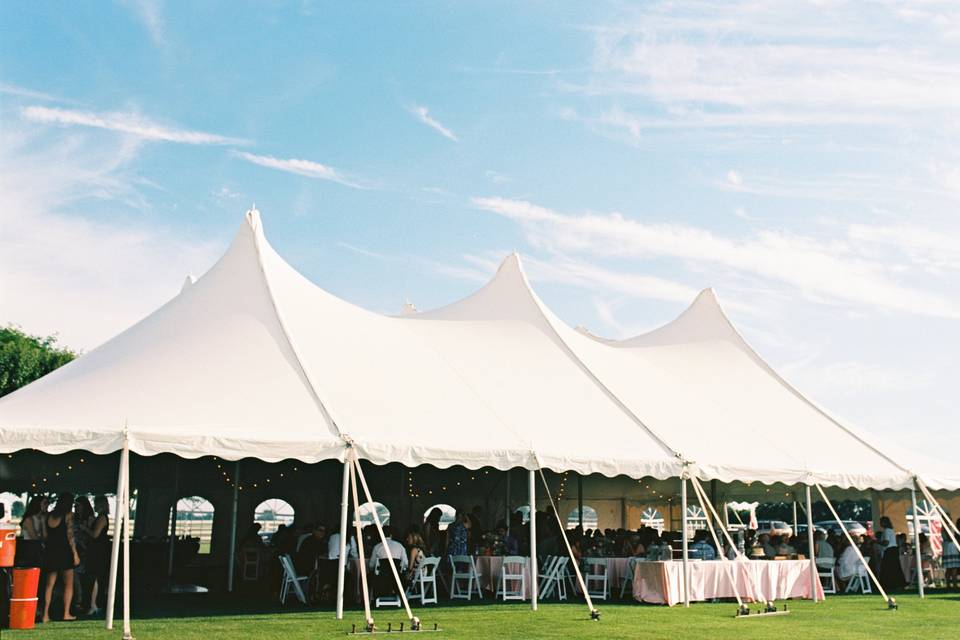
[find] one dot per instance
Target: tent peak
(253, 217)
(188, 282)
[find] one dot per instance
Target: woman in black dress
(60, 554)
(98, 556)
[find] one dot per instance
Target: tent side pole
(532, 482)
(811, 546)
(506, 504)
(173, 519)
(342, 558)
(232, 560)
(918, 571)
(126, 545)
(115, 544)
(794, 515)
(683, 539)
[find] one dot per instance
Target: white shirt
(333, 547)
(848, 563)
(889, 538)
(396, 551)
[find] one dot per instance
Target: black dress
(57, 555)
(98, 555)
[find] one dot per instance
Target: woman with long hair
(98, 557)
(33, 531)
(60, 555)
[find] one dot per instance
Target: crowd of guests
(68, 542)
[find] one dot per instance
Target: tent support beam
(811, 545)
(173, 519)
(918, 569)
(594, 614)
(683, 539)
(891, 603)
(534, 574)
(724, 560)
(948, 524)
(342, 557)
(235, 503)
(115, 545)
(360, 552)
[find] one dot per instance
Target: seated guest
(333, 546)
(632, 547)
(951, 560)
(415, 546)
(822, 547)
(511, 546)
(848, 565)
(767, 544)
(252, 537)
(395, 550)
(311, 549)
(701, 548)
(785, 548)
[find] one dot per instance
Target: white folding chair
(512, 584)
(826, 574)
(561, 571)
(382, 578)
(627, 579)
(291, 579)
(424, 582)
(250, 565)
(547, 580)
(595, 577)
(860, 580)
(464, 569)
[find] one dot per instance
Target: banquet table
(661, 582)
(489, 569)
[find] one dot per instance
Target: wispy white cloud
(823, 270)
(23, 92)
(423, 115)
(125, 122)
(150, 14)
(307, 168)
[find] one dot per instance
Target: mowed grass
(839, 617)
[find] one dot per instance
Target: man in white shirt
(396, 551)
(333, 546)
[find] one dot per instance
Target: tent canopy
(252, 359)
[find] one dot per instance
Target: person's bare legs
(48, 592)
(94, 589)
(67, 593)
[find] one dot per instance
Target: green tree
(24, 358)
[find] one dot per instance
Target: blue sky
(799, 157)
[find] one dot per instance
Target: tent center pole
(918, 558)
(580, 502)
(811, 545)
(532, 482)
(126, 545)
(506, 503)
(342, 557)
(683, 539)
(231, 563)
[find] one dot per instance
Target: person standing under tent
(33, 532)
(891, 575)
(951, 560)
(98, 556)
(83, 517)
(60, 555)
(458, 535)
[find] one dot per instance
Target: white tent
(254, 360)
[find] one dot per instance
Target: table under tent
(254, 361)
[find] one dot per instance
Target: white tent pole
(534, 574)
(126, 545)
(173, 519)
(948, 524)
(506, 506)
(360, 551)
(594, 614)
(342, 558)
(866, 565)
(683, 539)
(794, 515)
(414, 622)
(579, 503)
(115, 545)
(811, 546)
(231, 563)
(918, 570)
(724, 560)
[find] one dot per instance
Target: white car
(854, 527)
(774, 528)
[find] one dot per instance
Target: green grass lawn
(187, 617)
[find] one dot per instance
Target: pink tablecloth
(489, 569)
(661, 582)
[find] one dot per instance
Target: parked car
(802, 530)
(854, 527)
(774, 527)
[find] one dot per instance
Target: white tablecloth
(489, 569)
(661, 582)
